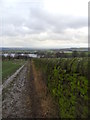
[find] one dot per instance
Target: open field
(9, 67)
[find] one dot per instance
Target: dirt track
(27, 96)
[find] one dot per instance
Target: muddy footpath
(27, 96)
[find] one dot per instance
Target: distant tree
(62, 54)
(9, 57)
(75, 54)
(88, 54)
(66, 55)
(3, 57)
(48, 55)
(82, 54)
(58, 54)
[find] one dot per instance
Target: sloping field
(9, 67)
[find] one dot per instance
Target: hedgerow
(67, 82)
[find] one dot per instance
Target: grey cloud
(30, 19)
(37, 20)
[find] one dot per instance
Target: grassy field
(9, 67)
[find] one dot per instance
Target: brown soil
(28, 96)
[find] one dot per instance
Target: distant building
(6, 55)
(67, 51)
(12, 55)
(18, 56)
(33, 55)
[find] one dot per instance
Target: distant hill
(30, 49)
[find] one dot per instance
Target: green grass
(9, 67)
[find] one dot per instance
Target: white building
(32, 55)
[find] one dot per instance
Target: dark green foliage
(68, 83)
(75, 54)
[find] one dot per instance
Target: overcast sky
(44, 23)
